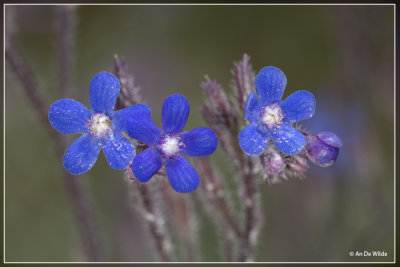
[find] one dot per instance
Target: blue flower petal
(142, 128)
(82, 154)
(201, 141)
(69, 116)
(252, 140)
(298, 106)
(270, 84)
(119, 151)
(181, 175)
(146, 164)
(252, 108)
(104, 90)
(288, 140)
(175, 112)
(120, 116)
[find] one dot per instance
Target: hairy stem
(75, 192)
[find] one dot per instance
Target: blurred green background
(342, 54)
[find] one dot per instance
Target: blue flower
(270, 118)
(323, 148)
(100, 128)
(168, 146)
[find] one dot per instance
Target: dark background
(342, 54)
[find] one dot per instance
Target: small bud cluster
(321, 149)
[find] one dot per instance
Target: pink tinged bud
(323, 149)
(273, 163)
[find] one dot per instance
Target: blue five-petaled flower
(168, 146)
(100, 129)
(271, 119)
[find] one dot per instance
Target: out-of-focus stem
(229, 241)
(65, 37)
(182, 213)
(25, 77)
(144, 200)
(75, 192)
(156, 227)
(214, 192)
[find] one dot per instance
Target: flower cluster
(269, 117)
(102, 129)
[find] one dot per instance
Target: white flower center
(170, 146)
(272, 115)
(100, 125)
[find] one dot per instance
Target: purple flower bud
(273, 162)
(323, 148)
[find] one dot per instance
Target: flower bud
(273, 162)
(323, 148)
